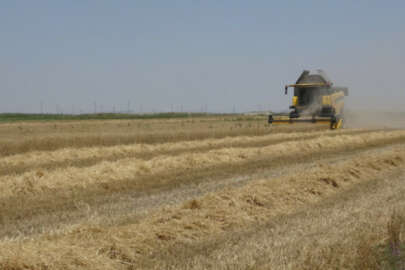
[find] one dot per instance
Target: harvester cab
(315, 100)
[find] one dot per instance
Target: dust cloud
(374, 119)
(374, 74)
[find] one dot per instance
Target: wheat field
(199, 193)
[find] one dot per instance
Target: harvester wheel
(337, 123)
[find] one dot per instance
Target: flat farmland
(224, 192)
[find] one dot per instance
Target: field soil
(199, 193)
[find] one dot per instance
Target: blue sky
(220, 55)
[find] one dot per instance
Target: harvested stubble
(88, 169)
(213, 215)
(344, 231)
(23, 138)
(88, 156)
(108, 175)
(51, 206)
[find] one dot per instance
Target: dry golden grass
(206, 193)
(38, 202)
(214, 214)
(49, 136)
(108, 175)
(91, 155)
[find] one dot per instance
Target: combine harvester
(315, 100)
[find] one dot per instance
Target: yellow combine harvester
(315, 100)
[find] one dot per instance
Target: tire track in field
(50, 202)
(85, 157)
(131, 246)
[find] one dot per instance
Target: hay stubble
(47, 182)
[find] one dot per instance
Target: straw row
(222, 212)
(80, 157)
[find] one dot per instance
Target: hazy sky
(220, 55)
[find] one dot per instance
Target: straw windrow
(217, 213)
